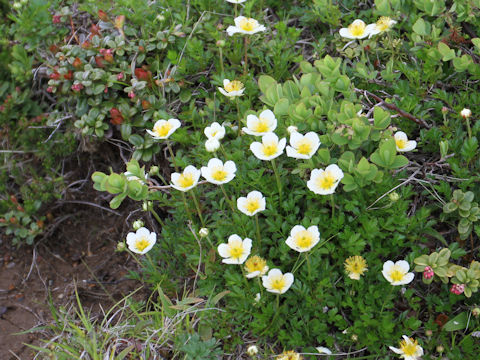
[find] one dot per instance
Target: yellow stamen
(304, 147)
(248, 24)
(270, 149)
(278, 283)
(236, 250)
(252, 205)
(261, 126)
(303, 239)
(219, 174)
(185, 180)
(397, 275)
(326, 181)
(163, 130)
(355, 266)
(357, 28)
(409, 348)
(383, 23)
(234, 85)
(141, 243)
(401, 143)
(255, 263)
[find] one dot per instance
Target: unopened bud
(429, 333)
(257, 297)
(444, 110)
(440, 349)
(147, 205)
(394, 197)
(252, 350)
(354, 337)
(160, 17)
(137, 224)
(466, 113)
(121, 246)
(476, 312)
(154, 170)
(221, 43)
(291, 129)
(203, 232)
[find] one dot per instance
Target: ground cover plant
(308, 173)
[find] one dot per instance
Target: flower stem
(245, 56)
(259, 238)
(277, 177)
(227, 199)
(469, 130)
(239, 115)
(308, 264)
(187, 209)
(150, 261)
(332, 201)
(222, 149)
(220, 50)
(386, 298)
(295, 267)
(235, 10)
(172, 155)
(197, 205)
(155, 215)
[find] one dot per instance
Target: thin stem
(245, 56)
(155, 215)
(259, 238)
(187, 209)
(308, 264)
(150, 260)
(222, 149)
(172, 155)
(386, 298)
(260, 286)
(197, 205)
(238, 115)
(235, 10)
(227, 199)
(279, 183)
(469, 130)
(295, 268)
(220, 50)
(332, 201)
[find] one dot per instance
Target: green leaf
(265, 82)
(459, 322)
(381, 118)
(281, 107)
(399, 162)
(136, 140)
(420, 27)
(117, 201)
(447, 53)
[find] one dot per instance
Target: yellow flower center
(409, 348)
(219, 174)
(261, 126)
(396, 275)
(234, 85)
(383, 23)
(278, 283)
(248, 24)
(252, 205)
(163, 129)
(304, 147)
(255, 263)
(356, 265)
(289, 355)
(357, 28)
(141, 243)
(270, 149)
(326, 181)
(304, 239)
(401, 143)
(185, 180)
(236, 250)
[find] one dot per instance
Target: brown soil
(79, 254)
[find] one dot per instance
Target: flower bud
(466, 113)
(203, 232)
(121, 246)
(212, 145)
(17, 5)
(160, 17)
(137, 224)
(154, 170)
(257, 297)
(394, 197)
(291, 129)
(354, 337)
(440, 349)
(457, 289)
(429, 333)
(476, 312)
(428, 272)
(147, 205)
(252, 350)
(444, 110)
(221, 43)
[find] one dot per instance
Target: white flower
(164, 128)
(409, 349)
(302, 239)
(382, 24)
(357, 30)
(141, 241)
(402, 142)
(244, 25)
(303, 146)
(324, 182)
(397, 274)
(218, 173)
(186, 180)
(269, 148)
(291, 129)
(276, 282)
(232, 88)
(261, 125)
(252, 204)
(212, 145)
(236, 1)
(324, 350)
(466, 113)
(252, 350)
(203, 232)
(257, 297)
(214, 131)
(236, 250)
(255, 266)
